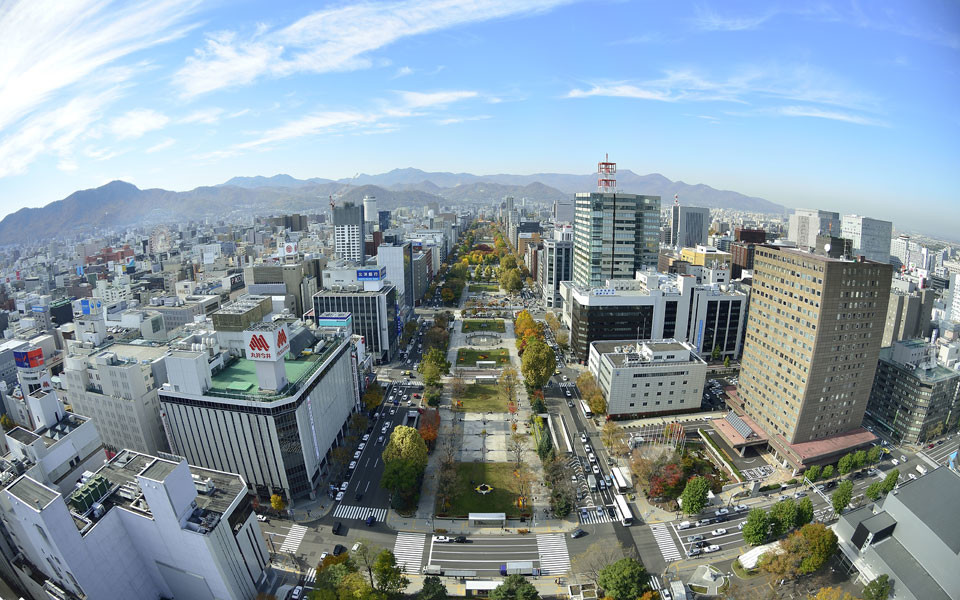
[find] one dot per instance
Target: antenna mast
(606, 175)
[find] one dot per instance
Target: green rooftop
(239, 378)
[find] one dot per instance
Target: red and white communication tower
(606, 175)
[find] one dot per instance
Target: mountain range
(120, 204)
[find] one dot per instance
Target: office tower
(614, 236)
(806, 224)
(689, 226)
(272, 415)
(554, 264)
(563, 210)
(641, 379)
(908, 314)
(370, 211)
(813, 338)
(383, 217)
(750, 236)
(137, 526)
(870, 237)
(913, 397)
(398, 259)
(349, 232)
(374, 304)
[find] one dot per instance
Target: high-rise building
(870, 237)
(614, 236)
(383, 216)
(137, 526)
(813, 338)
(563, 210)
(349, 231)
(398, 259)
(554, 264)
(370, 210)
(375, 308)
(689, 226)
(913, 397)
(806, 224)
(908, 314)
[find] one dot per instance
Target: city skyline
(846, 108)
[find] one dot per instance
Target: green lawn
(471, 325)
(468, 357)
(481, 397)
(484, 287)
(503, 498)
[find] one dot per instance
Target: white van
(921, 469)
(683, 525)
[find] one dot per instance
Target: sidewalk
(546, 585)
(400, 523)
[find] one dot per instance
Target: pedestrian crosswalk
(408, 550)
(310, 577)
(554, 556)
(664, 538)
(347, 511)
(292, 542)
(590, 516)
(655, 583)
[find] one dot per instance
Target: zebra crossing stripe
(554, 556)
(592, 518)
(665, 541)
(347, 511)
(408, 551)
(292, 542)
(655, 583)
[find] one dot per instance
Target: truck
(592, 482)
(921, 469)
(524, 567)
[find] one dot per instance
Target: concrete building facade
(689, 226)
(614, 236)
(870, 237)
(806, 224)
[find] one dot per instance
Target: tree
(598, 557)
(755, 529)
(726, 362)
(437, 357)
(813, 473)
(891, 480)
(373, 397)
(354, 587)
(804, 512)
(388, 575)
(512, 281)
(409, 330)
(458, 385)
(507, 385)
(429, 427)
(404, 460)
(694, 495)
(819, 544)
(446, 294)
(508, 262)
(358, 423)
(845, 464)
(339, 458)
(597, 403)
(365, 556)
(537, 364)
(874, 454)
(782, 515)
(611, 433)
(433, 589)
(519, 442)
(523, 323)
(827, 472)
(878, 589)
(525, 480)
(832, 593)
(715, 355)
(277, 502)
(552, 321)
(7, 422)
(587, 383)
(563, 339)
(625, 579)
(842, 496)
(859, 459)
(515, 587)
(874, 490)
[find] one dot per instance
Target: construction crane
(340, 192)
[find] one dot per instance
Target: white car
(380, 440)
(895, 462)
(567, 393)
(339, 496)
(741, 524)
(440, 539)
(344, 486)
(356, 547)
(587, 448)
(723, 511)
(592, 457)
(297, 593)
(565, 378)
(356, 455)
(596, 470)
(711, 548)
(741, 507)
(717, 532)
(352, 465)
(366, 437)
(583, 437)
(393, 411)
(912, 476)
(362, 446)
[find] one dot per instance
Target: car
(323, 556)
(703, 522)
(693, 552)
(583, 438)
(356, 547)
(697, 544)
(602, 484)
(376, 415)
(352, 465)
(573, 479)
(596, 470)
(385, 428)
(370, 521)
(912, 476)
(798, 495)
(263, 518)
(337, 528)
(380, 440)
(567, 393)
(741, 524)
(565, 378)
(717, 532)
(600, 512)
(591, 457)
(570, 404)
(344, 486)
(297, 593)
(587, 448)
(683, 525)
(339, 549)
(577, 533)
(440, 539)
(362, 446)
(694, 538)
(895, 462)
(831, 484)
(741, 507)
(557, 372)
(460, 539)
(939, 442)
(339, 496)
(366, 437)
(903, 458)
(723, 511)
(711, 548)
(393, 411)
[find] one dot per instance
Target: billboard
(266, 344)
(28, 359)
(371, 274)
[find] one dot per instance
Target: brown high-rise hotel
(814, 330)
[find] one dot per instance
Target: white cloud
(59, 68)
(161, 146)
(707, 20)
(455, 120)
(809, 111)
(422, 100)
(329, 40)
(134, 123)
(313, 124)
(207, 116)
(621, 91)
(403, 72)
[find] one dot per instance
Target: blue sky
(850, 106)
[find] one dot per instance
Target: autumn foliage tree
(429, 427)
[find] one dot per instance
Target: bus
(620, 479)
(586, 409)
(626, 515)
(518, 568)
(566, 437)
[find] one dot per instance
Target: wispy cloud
(161, 146)
(403, 72)
(706, 19)
(422, 100)
(330, 40)
(622, 90)
(455, 120)
(134, 123)
(206, 116)
(833, 115)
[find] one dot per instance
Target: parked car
(583, 437)
(683, 525)
(895, 462)
(703, 522)
(297, 593)
(712, 548)
(722, 511)
(339, 496)
(588, 449)
(694, 538)
(361, 446)
(592, 457)
(596, 470)
(366, 437)
(693, 552)
(718, 532)
(344, 486)
(352, 465)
